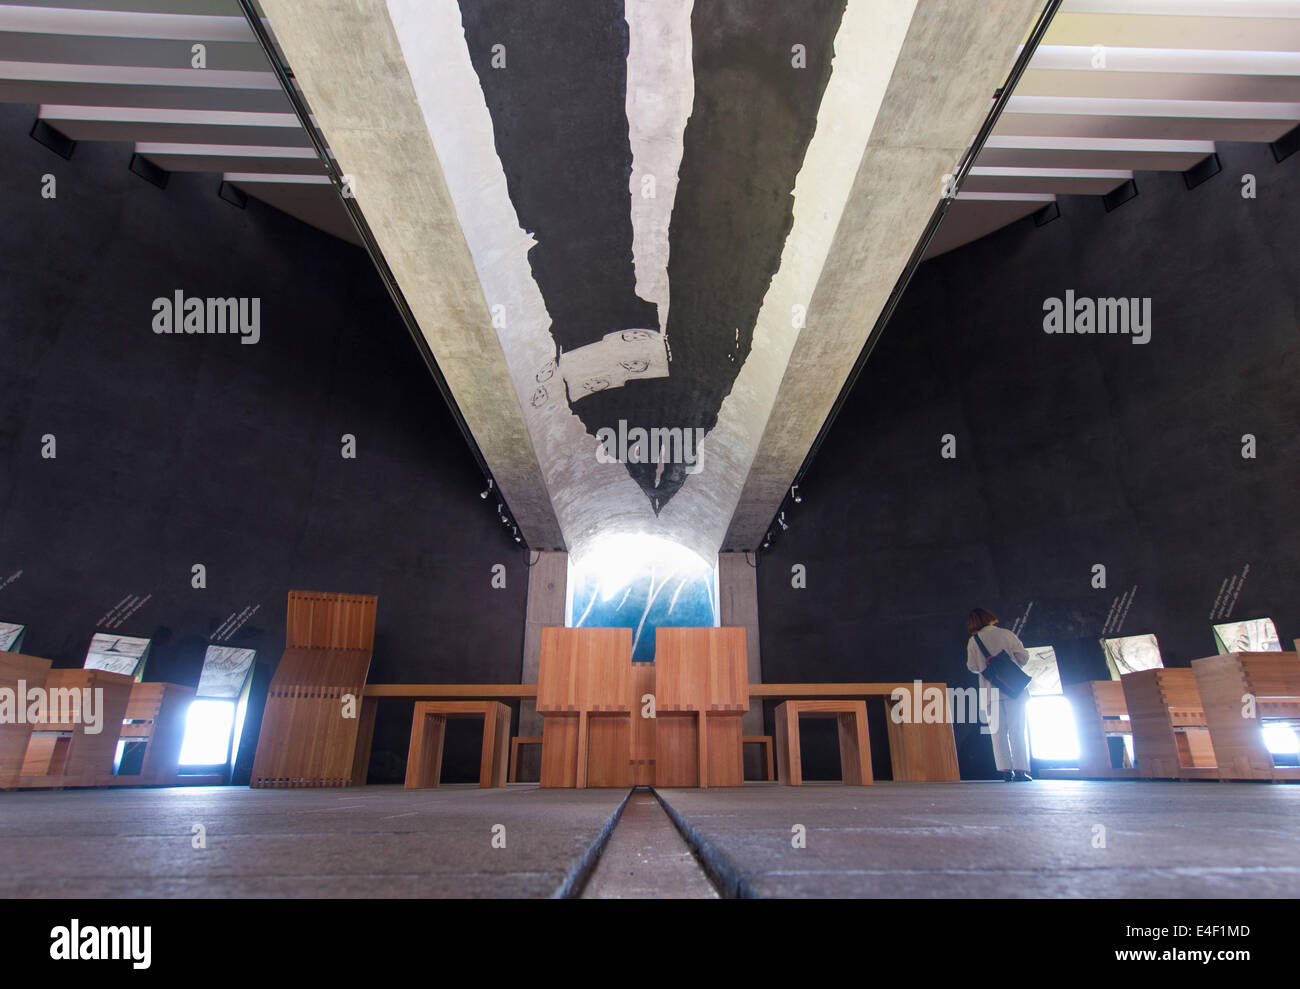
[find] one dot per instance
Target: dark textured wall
(176, 450)
(1071, 450)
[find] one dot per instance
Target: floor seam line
(575, 880)
(725, 877)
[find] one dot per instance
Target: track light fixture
(484, 494)
(767, 540)
(781, 519)
(794, 493)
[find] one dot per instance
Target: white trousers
(1010, 731)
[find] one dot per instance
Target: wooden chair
(306, 739)
(584, 695)
(855, 751)
(1228, 684)
(1170, 738)
(1100, 713)
(155, 715)
(20, 674)
(701, 695)
(429, 730)
(65, 753)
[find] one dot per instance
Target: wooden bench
(64, 753)
(1170, 737)
(155, 715)
(855, 749)
(1228, 684)
(20, 674)
(1100, 713)
(429, 731)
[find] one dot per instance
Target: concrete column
(738, 603)
(547, 583)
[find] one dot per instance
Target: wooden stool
(429, 728)
(769, 767)
(514, 752)
(855, 750)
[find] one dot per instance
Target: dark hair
(979, 618)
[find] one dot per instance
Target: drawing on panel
(1130, 654)
(117, 654)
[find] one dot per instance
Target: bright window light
(207, 733)
(1281, 739)
(640, 582)
(1052, 735)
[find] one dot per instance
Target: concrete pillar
(547, 583)
(738, 603)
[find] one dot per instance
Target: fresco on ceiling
(560, 127)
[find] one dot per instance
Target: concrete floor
(376, 841)
(889, 840)
(1201, 839)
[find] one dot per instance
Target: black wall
(176, 450)
(1071, 450)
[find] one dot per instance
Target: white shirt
(996, 640)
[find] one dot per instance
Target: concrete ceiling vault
(620, 215)
(656, 213)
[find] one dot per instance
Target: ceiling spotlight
(767, 540)
(781, 520)
(794, 493)
(484, 494)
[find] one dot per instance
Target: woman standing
(1011, 729)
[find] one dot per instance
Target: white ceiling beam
(1187, 8)
(1083, 106)
(223, 150)
(154, 115)
(1006, 197)
(123, 24)
(137, 75)
(278, 179)
(1192, 61)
